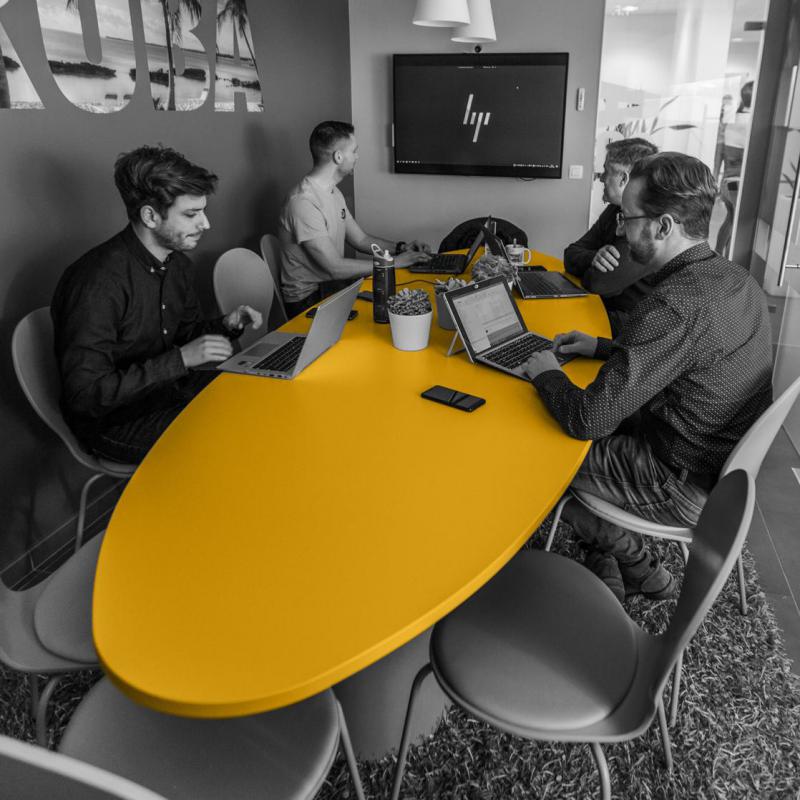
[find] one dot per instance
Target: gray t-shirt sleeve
(304, 220)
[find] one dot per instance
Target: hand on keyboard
(538, 363)
(411, 257)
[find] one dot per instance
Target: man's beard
(173, 241)
(642, 252)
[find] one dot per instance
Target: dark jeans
(325, 289)
(130, 441)
(623, 470)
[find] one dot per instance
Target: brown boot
(605, 566)
(648, 576)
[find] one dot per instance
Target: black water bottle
(383, 285)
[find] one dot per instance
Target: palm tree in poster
(5, 96)
(172, 24)
(236, 11)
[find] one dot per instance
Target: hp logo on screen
(476, 118)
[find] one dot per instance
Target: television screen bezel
(490, 59)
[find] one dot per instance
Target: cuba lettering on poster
(102, 79)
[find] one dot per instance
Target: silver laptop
(285, 355)
(492, 329)
(532, 283)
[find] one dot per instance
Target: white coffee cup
(518, 254)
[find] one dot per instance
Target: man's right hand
(575, 343)
(204, 349)
(410, 257)
(606, 259)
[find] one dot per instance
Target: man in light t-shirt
(315, 223)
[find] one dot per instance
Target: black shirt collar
(700, 252)
(141, 254)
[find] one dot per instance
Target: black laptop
(450, 263)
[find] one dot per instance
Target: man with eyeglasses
(684, 380)
(315, 223)
(600, 257)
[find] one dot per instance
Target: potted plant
(443, 316)
(410, 315)
(490, 266)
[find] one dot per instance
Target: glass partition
(681, 74)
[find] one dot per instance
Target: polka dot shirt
(694, 357)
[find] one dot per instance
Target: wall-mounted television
(473, 114)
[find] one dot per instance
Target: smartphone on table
(453, 398)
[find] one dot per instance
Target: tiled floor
(774, 538)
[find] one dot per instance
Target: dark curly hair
(680, 185)
(155, 176)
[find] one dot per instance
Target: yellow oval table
(283, 535)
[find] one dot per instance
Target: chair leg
(41, 710)
(82, 509)
(684, 551)
(602, 768)
(403, 750)
(676, 690)
(662, 724)
(742, 593)
(347, 746)
(559, 508)
(33, 682)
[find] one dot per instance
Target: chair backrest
(464, 234)
(749, 453)
(241, 277)
(28, 772)
(718, 538)
(33, 354)
(271, 253)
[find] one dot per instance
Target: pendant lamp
(481, 26)
(441, 13)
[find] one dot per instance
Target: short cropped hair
(626, 152)
(680, 185)
(325, 136)
(156, 176)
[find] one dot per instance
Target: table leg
(375, 700)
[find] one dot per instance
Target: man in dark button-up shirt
(128, 325)
(686, 378)
(600, 258)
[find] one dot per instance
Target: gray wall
(57, 199)
(553, 212)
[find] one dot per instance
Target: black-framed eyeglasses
(622, 219)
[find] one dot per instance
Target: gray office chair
(47, 629)
(283, 755)
(33, 773)
(583, 671)
(271, 253)
(241, 277)
(37, 372)
(748, 455)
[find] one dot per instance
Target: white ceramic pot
(410, 332)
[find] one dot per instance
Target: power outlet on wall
(575, 171)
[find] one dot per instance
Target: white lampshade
(481, 26)
(441, 13)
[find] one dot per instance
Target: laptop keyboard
(514, 353)
(445, 263)
(284, 358)
(537, 284)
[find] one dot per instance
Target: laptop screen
(488, 315)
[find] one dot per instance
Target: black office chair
(462, 236)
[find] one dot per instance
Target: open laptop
(285, 355)
(535, 284)
(452, 263)
(492, 329)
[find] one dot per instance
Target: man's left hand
(418, 247)
(241, 317)
(539, 363)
